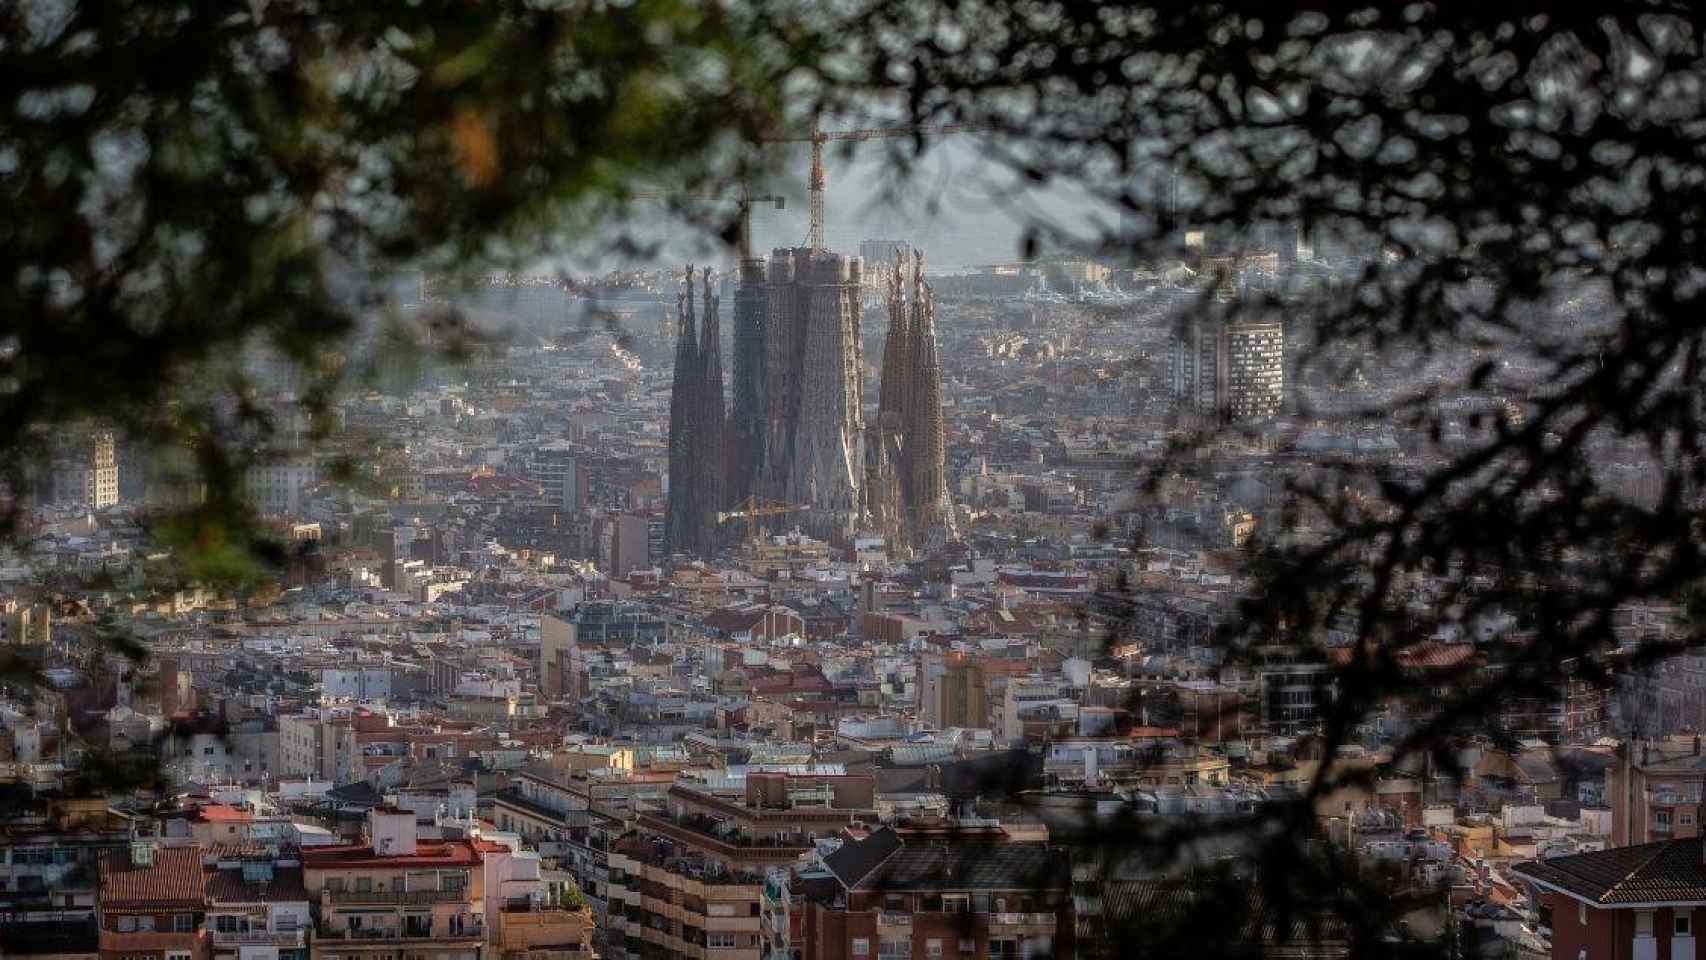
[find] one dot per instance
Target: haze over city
(997, 480)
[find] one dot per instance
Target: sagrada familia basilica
(796, 435)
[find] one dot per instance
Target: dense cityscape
(434, 526)
(600, 660)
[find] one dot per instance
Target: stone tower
(677, 535)
(906, 477)
(710, 454)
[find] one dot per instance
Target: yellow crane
(751, 509)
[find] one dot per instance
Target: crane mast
(817, 138)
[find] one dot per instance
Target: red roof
(428, 853)
(175, 878)
(220, 813)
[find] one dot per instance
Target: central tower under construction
(796, 434)
(811, 390)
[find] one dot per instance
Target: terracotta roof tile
(175, 878)
(1669, 871)
(228, 886)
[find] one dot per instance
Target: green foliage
(189, 184)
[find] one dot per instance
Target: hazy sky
(974, 223)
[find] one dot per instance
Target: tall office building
(1228, 369)
(630, 546)
(85, 470)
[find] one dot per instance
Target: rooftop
(1669, 871)
(428, 853)
(175, 877)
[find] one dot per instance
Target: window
(1582, 913)
(933, 947)
(363, 884)
(1661, 819)
(894, 903)
(895, 948)
(177, 955)
(721, 941)
(1683, 926)
(183, 923)
(1685, 818)
(861, 947)
(145, 923)
(126, 924)
(719, 909)
(968, 945)
(225, 924)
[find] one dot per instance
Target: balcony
(702, 832)
(288, 939)
(888, 919)
(397, 934)
(397, 896)
(1022, 920)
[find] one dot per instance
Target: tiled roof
(175, 878)
(452, 853)
(227, 886)
(970, 866)
(855, 859)
(1669, 871)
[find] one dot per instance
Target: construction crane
(751, 509)
(744, 241)
(817, 138)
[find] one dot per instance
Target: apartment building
(531, 913)
(1639, 902)
(952, 690)
(85, 470)
(49, 872)
(1230, 368)
(153, 899)
(1034, 703)
(897, 896)
(314, 746)
(257, 907)
(280, 488)
(396, 897)
(1654, 789)
(691, 883)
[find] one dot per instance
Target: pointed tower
(932, 517)
(746, 424)
(710, 463)
(684, 383)
(885, 504)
